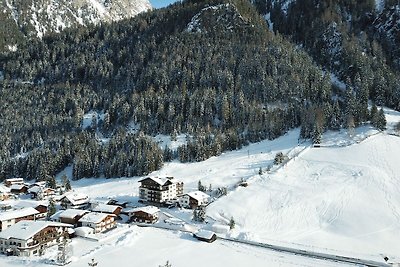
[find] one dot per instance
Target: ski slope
(345, 198)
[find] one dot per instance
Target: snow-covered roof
(29, 204)
(147, 209)
(13, 180)
(204, 234)
(83, 231)
(68, 214)
(13, 214)
(26, 229)
(94, 217)
(35, 189)
(105, 208)
(161, 180)
(17, 186)
(198, 195)
(40, 184)
(77, 198)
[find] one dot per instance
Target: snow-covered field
(342, 198)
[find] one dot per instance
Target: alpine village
(177, 133)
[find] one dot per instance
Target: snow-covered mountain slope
(38, 17)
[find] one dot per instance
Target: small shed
(206, 236)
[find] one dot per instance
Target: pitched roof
(77, 198)
(147, 209)
(29, 204)
(94, 217)
(17, 186)
(26, 229)
(35, 189)
(40, 183)
(198, 195)
(161, 180)
(68, 214)
(11, 180)
(84, 230)
(204, 234)
(13, 214)
(105, 208)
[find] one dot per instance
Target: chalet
(194, 199)
(75, 201)
(206, 236)
(11, 181)
(104, 208)
(18, 189)
(70, 216)
(100, 222)
(159, 190)
(27, 238)
(41, 207)
(4, 193)
(38, 192)
(147, 214)
(9, 218)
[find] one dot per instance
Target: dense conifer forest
(209, 69)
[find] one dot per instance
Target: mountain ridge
(36, 18)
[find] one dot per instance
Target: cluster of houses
(15, 187)
(27, 230)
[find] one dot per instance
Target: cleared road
(311, 254)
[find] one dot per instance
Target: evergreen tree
(374, 114)
(51, 182)
(279, 158)
(199, 214)
(201, 187)
(381, 120)
(350, 126)
(232, 223)
(316, 138)
(51, 209)
(66, 183)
